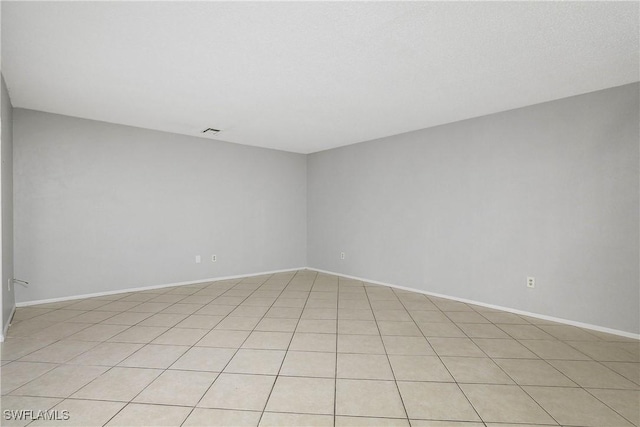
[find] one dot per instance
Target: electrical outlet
(214, 258)
(9, 285)
(341, 255)
(198, 259)
(531, 282)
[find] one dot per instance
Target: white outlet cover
(198, 259)
(214, 258)
(531, 282)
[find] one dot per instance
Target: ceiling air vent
(210, 131)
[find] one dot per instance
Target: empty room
(418, 214)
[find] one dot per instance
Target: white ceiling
(306, 77)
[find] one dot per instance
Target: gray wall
(102, 207)
(470, 209)
(6, 168)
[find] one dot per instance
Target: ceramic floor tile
(534, 372)
(604, 351)
(135, 414)
(466, 317)
(93, 317)
(154, 356)
(127, 318)
(223, 339)
(33, 326)
(268, 340)
(279, 419)
(290, 302)
(548, 349)
(238, 323)
(204, 359)
(59, 331)
(505, 403)
(59, 352)
(139, 334)
(61, 381)
(247, 361)
(249, 311)
(568, 333)
(630, 371)
(388, 327)
(358, 327)
(355, 314)
(592, 374)
(409, 346)
(482, 330)
(436, 401)
(214, 309)
(180, 336)
(198, 321)
(15, 348)
(222, 418)
(393, 315)
(16, 374)
(18, 403)
(177, 388)
(525, 332)
(343, 421)
(429, 317)
(369, 344)
(168, 320)
(302, 395)
(119, 384)
(419, 368)
(309, 364)
(624, 402)
(99, 332)
(320, 313)
(281, 341)
(181, 308)
(504, 318)
(277, 325)
(235, 391)
(455, 347)
(427, 423)
(574, 406)
(504, 348)
(106, 354)
(445, 330)
(368, 398)
(83, 413)
(313, 342)
(476, 370)
(317, 326)
(284, 312)
(364, 366)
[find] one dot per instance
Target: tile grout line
(240, 346)
(395, 380)
(190, 347)
(266, 402)
(436, 353)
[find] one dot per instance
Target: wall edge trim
(3, 333)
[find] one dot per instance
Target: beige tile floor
(303, 348)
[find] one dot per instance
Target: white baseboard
(496, 307)
(6, 327)
(146, 288)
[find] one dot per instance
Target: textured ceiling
(306, 77)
